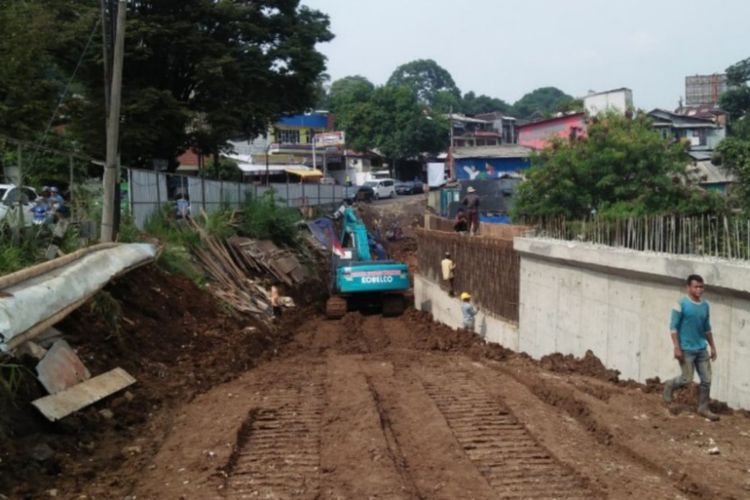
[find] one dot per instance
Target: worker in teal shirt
(690, 327)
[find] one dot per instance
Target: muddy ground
(373, 407)
(174, 338)
(363, 407)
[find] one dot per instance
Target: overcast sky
(507, 48)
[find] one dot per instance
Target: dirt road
(373, 407)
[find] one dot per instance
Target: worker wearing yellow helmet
(468, 311)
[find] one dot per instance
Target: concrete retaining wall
(429, 297)
(616, 302)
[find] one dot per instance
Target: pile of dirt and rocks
(588, 365)
(174, 338)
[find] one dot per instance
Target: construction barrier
(486, 267)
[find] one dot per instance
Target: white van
(382, 188)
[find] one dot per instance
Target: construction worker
(690, 327)
(275, 302)
(471, 202)
(468, 311)
(460, 225)
(448, 267)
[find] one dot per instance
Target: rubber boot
(668, 388)
(703, 400)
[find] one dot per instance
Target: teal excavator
(356, 275)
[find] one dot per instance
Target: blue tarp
(494, 219)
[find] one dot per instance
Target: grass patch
(263, 220)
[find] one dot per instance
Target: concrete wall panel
(617, 303)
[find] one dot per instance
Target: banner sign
(326, 139)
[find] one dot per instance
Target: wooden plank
(79, 396)
(61, 368)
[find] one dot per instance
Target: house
(707, 175)
(537, 134)
(490, 162)
(504, 124)
(467, 132)
(353, 166)
(707, 111)
(288, 141)
(616, 100)
(703, 134)
(189, 162)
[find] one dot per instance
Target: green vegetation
(734, 152)
(15, 255)
(623, 168)
(426, 79)
(263, 220)
(197, 73)
(542, 102)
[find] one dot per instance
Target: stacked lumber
(265, 257)
(231, 283)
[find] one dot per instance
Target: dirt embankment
(174, 338)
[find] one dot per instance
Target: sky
(507, 48)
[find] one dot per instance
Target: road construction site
(362, 407)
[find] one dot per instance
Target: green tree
(348, 91)
(473, 104)
(201, 72)
(734, 155)
(622, 168)
(540, 102)
(394, 122)
(426, 79)
(29, 78)
(739, 73)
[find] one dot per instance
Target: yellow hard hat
(465, 296)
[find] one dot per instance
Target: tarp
(28, 304)
(435, 174)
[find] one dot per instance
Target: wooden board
(79, 396)
(61, 368)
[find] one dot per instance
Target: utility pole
(113, 128)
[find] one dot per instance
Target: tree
(201, 72)
(738, 73)
(29, 78)
(540, 102)
(734, 155)
(472, 104)
(394, 122)
(426, 79)
(345, 93)
(622, 168)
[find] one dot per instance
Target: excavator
(356, 276)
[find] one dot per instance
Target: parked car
(365, 193)
(359, 193)
(382, 188)
(408, 187)
(10, 195)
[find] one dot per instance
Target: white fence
(149, 190)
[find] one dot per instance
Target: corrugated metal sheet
(148, 190)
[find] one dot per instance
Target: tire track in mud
(511, 460)
(278, 448)
(396, 455)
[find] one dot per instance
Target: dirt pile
(173, 337)
(588, 365)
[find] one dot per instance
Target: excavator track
(335, 307)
